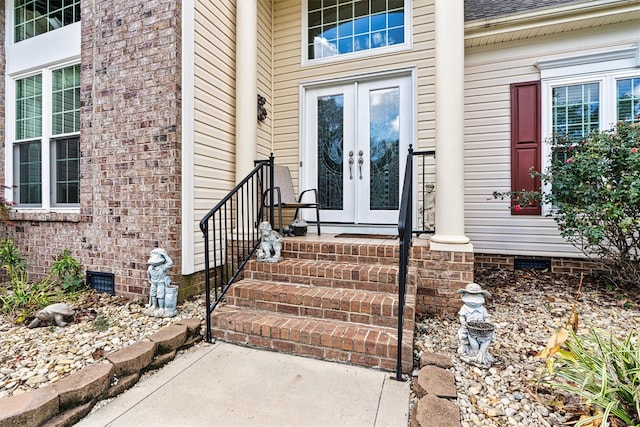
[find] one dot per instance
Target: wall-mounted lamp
(262, 112)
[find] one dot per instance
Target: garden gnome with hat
(476, 334)
(159, 262)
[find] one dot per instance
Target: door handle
(360, 162)
(351, 161)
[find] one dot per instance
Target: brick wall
(438, 275)
(130, 140)
(558, 265)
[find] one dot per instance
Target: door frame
(304, 178)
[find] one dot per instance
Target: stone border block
(84, 385)
(134, 358)
(170, 338)
(29, 409)
(436, 381)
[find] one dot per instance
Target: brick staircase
(329, 298)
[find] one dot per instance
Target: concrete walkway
(226, 385)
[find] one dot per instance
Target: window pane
(628, 99)
(29, 107)
(29, 173)
(576, 110)
(375, 23)
(66, 100)
(67, 171)
(35, 17)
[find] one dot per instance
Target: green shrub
(69, 272)
(604, 371)
(595, 194)
(19, 298)
(10, 258)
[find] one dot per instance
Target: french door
(356, 137)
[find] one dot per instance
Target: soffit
(548, 21)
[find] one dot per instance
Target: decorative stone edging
(69, 400)
(435, 388)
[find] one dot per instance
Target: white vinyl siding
(214, 105)
(214, 110)
(489, 71)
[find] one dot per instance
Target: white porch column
(449, 62)
(246, 86)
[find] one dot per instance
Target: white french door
(356, 137)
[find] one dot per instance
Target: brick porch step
(384, 252)
(327, 339)
(349, 305)
(370, 277)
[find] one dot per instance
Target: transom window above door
(336, 28)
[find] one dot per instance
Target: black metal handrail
(230, 233)
(405, 233)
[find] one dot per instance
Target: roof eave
(547, 20)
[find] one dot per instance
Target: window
(343, 27)
(35, 17)
(628, 100)
(48, 144)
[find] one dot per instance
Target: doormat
(366, 236)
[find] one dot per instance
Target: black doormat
(366, 236)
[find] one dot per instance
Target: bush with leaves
(21, 299)
(69, 272)
(595, 195)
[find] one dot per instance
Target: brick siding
(130, 141)
(438, 275)
(558, 265)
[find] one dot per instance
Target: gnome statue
(476, 334)
(163, 296)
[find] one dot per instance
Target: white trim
(589, 64)
(607, 110)
(306, 157)
(188, 138)
(304, 42)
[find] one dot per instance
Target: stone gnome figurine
(270, 243)
(163, 296)
(476, 334)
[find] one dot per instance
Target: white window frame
(605, 68)
(41, 54)
(408, 42)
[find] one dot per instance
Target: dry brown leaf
(553, 345)
(573, 321)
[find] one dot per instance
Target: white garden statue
(270, 244)
(476, 333)
(163, 295)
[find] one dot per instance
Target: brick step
(372, 251)
(378, 278)
(349, 305)
(333, 340)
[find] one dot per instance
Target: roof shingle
(485, 9)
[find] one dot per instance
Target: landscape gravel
(527, 307)
(33, 358)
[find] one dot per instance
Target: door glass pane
(330, 148)
(384, 140)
